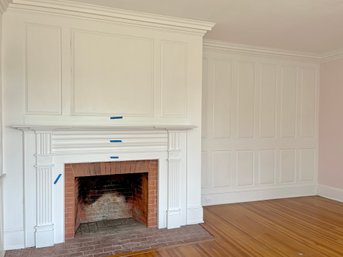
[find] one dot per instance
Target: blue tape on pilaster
(57, 179)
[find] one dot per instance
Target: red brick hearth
(146, 171)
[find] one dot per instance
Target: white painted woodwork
(44, 235)
(54, 148)
(121, 66)
(43, 69)
(288, 101)
(174, 79)
(76, 66)
(260, 114)
(245, 99)
(287, 166)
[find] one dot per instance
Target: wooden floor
(307, 226)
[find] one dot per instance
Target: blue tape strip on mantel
(116, 141)
(114, 157)
(116, 117)
(57, 179)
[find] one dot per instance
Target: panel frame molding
(27, 111)
(256, 144)
(73, 112)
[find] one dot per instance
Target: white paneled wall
(259, 126)
(67, 64)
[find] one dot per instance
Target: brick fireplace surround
(73, 171)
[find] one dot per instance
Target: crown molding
(332, 56)
(220, 45)
(4, 4)
(76, 9)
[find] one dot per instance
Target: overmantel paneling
(85, 71)
(97, 68)
(112, 73)
(260, 116)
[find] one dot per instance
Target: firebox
(110, 190)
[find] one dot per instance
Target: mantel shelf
(28, 127)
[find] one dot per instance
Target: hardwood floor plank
(305, 226)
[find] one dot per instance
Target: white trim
(4, 4)
(221, 45)
(332, 56)
(103, 128)
(330, 192)
(112, 14)
(240, 196)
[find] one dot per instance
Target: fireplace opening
(112, 197)
(110, 193)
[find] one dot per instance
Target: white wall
(259, 126)
(330, 130)
(2, 252)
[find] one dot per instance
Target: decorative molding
(103, 128)
(330, 192)
(112, 14)
(174, 177)
(4, 4)
(332, 56)
(241, 48)
(259, 194)
(44, 164)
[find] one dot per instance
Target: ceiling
(314, 26)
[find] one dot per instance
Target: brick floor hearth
(106, 239)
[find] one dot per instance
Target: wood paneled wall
(259, 126)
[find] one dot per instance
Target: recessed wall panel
(222, 98)
(308, 102)
(174, 79)
(43, 69)
(268, 88)
(112, 74)
(288, 101)
(287, 166)
(246, 99)
(307, 164)
(245, 168)
(222, 171)
(266, 167)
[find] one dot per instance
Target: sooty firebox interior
(111, 197)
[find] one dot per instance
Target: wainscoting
(259, 137)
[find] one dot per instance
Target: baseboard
(331, 192)
(14, 239)
(194, 215)
(249, 195)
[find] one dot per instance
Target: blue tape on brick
(57, 179)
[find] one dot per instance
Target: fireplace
(59, 157)
(110, 190)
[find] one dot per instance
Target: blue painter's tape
(116, 117)
(114, 157)
(57, 179)
(116, 141)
